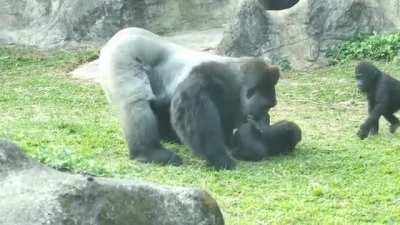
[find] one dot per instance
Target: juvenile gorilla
(254, 143)
(383, 94)
(211, 95)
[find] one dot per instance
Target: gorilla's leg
(394, 122)
(141, 131)
(197, 123)
(126, 82)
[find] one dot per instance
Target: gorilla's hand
(363, 132)
(222, 163)
(259, 125)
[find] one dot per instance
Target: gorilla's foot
(362, 133)
(160, 156)
(222, 163)
(394, 127)
(373, 132)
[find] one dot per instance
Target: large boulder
(300, 36)
(53, 23)
(32, 194)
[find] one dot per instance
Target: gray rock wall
(300, 35)
(52, 23)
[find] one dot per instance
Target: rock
(205, 40)
(32, 194)
(88, 72)
(12, 158)
(55, 23)
(299, 37)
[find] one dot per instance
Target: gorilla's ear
(273, 73)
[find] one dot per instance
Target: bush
(375, 47)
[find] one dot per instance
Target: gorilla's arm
(196, 115)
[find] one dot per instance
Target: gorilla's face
(258, 90)
(256, 101)
(364, 82)
(366, 76)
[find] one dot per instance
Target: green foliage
(284, 64)
(332, 177)
(375, 47)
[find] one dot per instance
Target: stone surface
(205, 40)
(299, 36)
(55, 23)
(32, 194)
(88, 72)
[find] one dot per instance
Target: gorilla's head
(367, 76)
(258, 90)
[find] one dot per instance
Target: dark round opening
(278, 4)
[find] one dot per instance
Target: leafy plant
(285, 65)
(375, 47)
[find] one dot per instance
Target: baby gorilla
(383, 94)
(253, 142)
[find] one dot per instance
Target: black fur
(383, 94)
(254, 143)
(278, 4)
(161, 109)
(142, 133)
(208, 105)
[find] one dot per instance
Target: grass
(332, 178)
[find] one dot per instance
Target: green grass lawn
(332, 178)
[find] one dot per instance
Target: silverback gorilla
(383, 94)
(164, 90)
(253, 143)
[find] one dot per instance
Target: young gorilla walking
(383, 94)
(211, 95)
